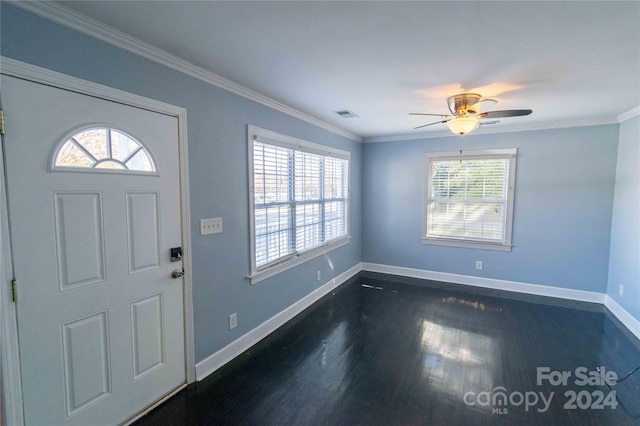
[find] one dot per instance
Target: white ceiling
(571, 62)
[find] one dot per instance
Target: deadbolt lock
(176, 254)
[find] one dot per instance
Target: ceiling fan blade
(484, 123)
(431, 124)
(489, 101)
(421, 113)
(505, 113)
(482, 104)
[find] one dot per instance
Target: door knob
(177, 274)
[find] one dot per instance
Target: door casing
(9, 350)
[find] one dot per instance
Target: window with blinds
(470, 198)
(299, 194)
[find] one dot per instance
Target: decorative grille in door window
(103, 149)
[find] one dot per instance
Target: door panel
(79, 239)
(148, 332)
(87, 376)
(143, 231)
(100, 318)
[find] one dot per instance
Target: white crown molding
(88, 26)
(26, 71)
(629, 114)
(493, 130)
(83, 24)
(243, 343)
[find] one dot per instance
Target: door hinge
(1, 122)
(14, 290)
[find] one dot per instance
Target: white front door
(94, 209)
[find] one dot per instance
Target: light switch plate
(233, 321)
(210, 226)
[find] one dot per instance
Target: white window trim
(256, 275)
(508, 153)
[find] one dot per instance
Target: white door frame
(9, 355)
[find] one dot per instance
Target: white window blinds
(470, 197)
(300, 197)
(272, 195)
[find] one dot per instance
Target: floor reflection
(475, 304)
(457, 361)
(391, 353)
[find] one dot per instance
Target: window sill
(467, 244)
(297, 260)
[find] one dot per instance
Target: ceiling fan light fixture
(466, 111)
(463, 125)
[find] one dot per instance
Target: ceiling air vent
(345, 113)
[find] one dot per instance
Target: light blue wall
(217, 126)
(562, 214)
(624, 260)
(563, 206)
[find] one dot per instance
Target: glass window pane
(72, 156)
(94, 141)
(272, 167)
(103, 148)
(335, 220)
(273, 233)
(110, 165)
(468, 199)
(308, 229)
(335, 178)
(300, 200)
(307, 176)
(140, 162)
(122, 146)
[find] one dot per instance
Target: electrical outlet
(318, 276)
(210, 226)
(479, 264)
(621, 289)
(233, 321)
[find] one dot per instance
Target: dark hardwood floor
(387, 350)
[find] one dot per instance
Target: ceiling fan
(465, 113)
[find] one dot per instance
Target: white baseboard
(618, 311)
(623, 315)
(240, 345)
(492, 283)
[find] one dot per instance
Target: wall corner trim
(240, 345)
(623, 315)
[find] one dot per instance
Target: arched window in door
(103, 149)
